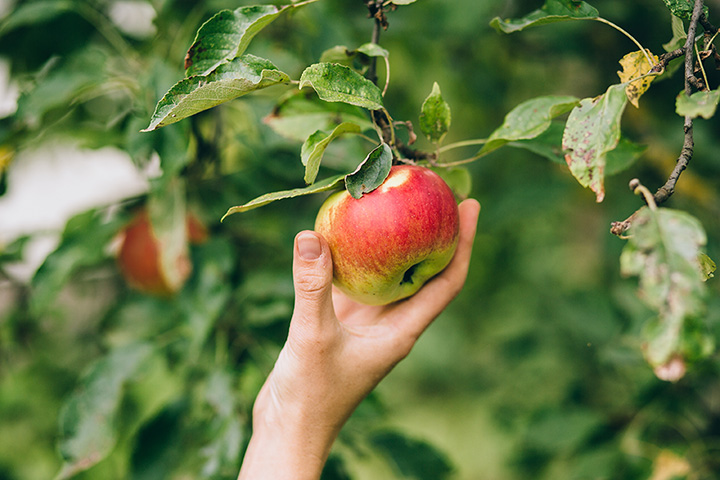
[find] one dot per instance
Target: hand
(337, 351)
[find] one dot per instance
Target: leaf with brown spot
(635, 65)
(591, 131)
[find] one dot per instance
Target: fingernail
(309, 246)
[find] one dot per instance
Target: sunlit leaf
(225, 36)
(707, 266)
(635, 65)
(699, 104)
(371, 173)
(317, 187)
(230, 80)
(314, 147)
(435, 116)
(664, 252)
(403, 2)
(338, 83)
(88, 420)
(528, 120)
(682, 8)
(300, 115)
(552, 11)
(592, 130)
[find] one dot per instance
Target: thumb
(312, 277)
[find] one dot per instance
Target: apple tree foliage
(150, 387)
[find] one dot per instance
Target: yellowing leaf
(636, 65)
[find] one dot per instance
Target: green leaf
(321, 186)
(33, 13)
(373, 50)
(412, 458)
(314, 147)
(301, 114)
(592, 130)
(88, 420)
(679, 35)
(225, 36)
(528, 120)
(403, 2)
(84, 243)
(548, 144)
(699, 104)
(622, 156)
(338, 83)
(664, 252)
(458, 179)
(435, 116)
(552, 11)
(230, 80)
(371, 173)
(682, 8)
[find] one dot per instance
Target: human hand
(337, 351)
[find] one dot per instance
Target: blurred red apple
(388, 243)
(141, 256)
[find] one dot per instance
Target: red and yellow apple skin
(388, 243)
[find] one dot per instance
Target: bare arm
(337, 351)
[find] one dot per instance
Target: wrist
(286, 443)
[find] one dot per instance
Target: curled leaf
(314, 147)
(371, 173)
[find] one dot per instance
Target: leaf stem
(464, 143)
(302, 4)
(702, 67)
(640, 189)
(387, 75)
(627, 34)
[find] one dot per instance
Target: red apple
(388, 243)
(140, 256)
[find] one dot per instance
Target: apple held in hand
(391, 241)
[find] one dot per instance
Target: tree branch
(691, 82)
(686, 153)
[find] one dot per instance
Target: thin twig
(686, 153)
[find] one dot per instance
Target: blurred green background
(535, 370)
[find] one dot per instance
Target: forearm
(286, 445)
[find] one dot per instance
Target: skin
(337, 351)
(388, 243)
